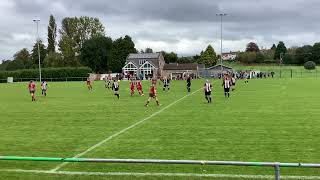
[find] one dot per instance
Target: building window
(141, 62)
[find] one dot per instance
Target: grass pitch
(274, 120)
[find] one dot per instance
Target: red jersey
(139, 85)
(32, 86)
(132, 85)
(153, 90)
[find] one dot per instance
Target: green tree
(252, 47)
(23, 56)
(35, 55)
(74, 32)
(281, 49)
(96, 53)
(4, 65)
(249, 57)
(121, 48)
(183, 60)
(208, 57)
(148, 50)
(288, 59)
(170, 57)
(197, 57)
(21, 60)
(274, 47)
(52, 34)
(15, 65)
(54, 59)
(316, 52)
(259, 58)
(303, 54)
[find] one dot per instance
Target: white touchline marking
(122, 131)
(159, 174)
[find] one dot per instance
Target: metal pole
(277, 171)
(221, 23)
(38, 41)
(221, 46)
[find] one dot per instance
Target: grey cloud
(171, 21)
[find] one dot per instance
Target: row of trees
(75, 32)
(280, 53)
(207, 57)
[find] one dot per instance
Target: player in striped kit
(166, 84)
(233, 81)
(207, 91)
(189, 83)
(226, 85)
(44, 88)
(115, 88)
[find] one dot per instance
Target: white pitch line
(238, 176)
(122, 131)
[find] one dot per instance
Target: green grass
(285, 71)
(274, 120)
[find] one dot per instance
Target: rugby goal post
(10, 80)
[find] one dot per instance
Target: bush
(310, 65)
(47, 73)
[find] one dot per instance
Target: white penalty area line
(237, 176)
(122, 131)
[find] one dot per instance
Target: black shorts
(233, 84)
(32, 91)
(226, 89)
(208, 93)
(152, 95)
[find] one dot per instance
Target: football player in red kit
(152, 95)
(132, 84)
(32, 90)
(139, 88)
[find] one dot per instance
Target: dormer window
(141, 62)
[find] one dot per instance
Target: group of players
(134, 85)
(228, 84)
(32, 89)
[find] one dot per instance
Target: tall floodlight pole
(221, 20)
(38, 42)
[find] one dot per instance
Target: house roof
(230, 53)
(144, 56)
(152, 58)
(219, 67)
(176, 66)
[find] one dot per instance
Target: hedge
(47, 73)
(310, 65)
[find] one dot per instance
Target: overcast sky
(182, 26)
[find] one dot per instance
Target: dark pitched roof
(176, 66)
(144, 56)
(152, 58)
(219, 66)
